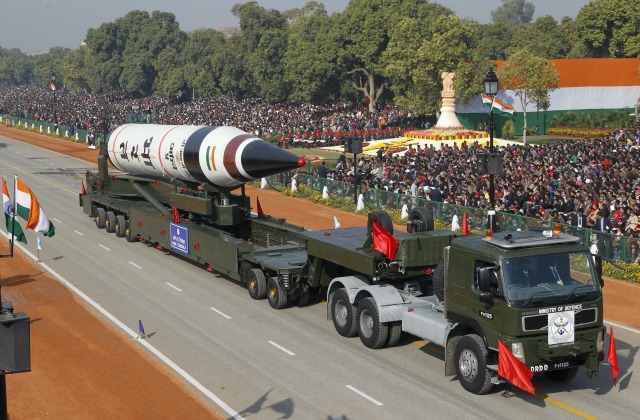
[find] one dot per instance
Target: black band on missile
(192, 152)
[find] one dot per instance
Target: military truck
(539, 291)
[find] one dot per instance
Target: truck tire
(372, 332)
(100, 216)
(562, 375)
(422, 219)
(275, 295)
(256, 283)
(121, 226)
(343, 314)
(110, 222)
(382, 218)
(129, 236)
(471, 365)
(395, 331)
(438, 280)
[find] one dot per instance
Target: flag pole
(13, 218)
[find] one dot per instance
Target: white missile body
(224, 156)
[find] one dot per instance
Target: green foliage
(508, 130)
(611, 119)
(513, 12)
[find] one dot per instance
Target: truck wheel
(120, 226)
(303, 299)
(100, 217)
(395, 331)
(438, 280)
(256, 284)
(424, 218)
(275, 295)
(471, 365)
(110, 222)
(382, 218)
(128, 234)
(563, 375)
(372, 332)
(343, 314)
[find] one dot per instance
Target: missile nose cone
(301, 162)
(261, 159)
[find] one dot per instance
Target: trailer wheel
(343, 314)
(562, 375)
(256, 283)
(275, 295)
(127, 233)
(372, 332)
(303, 299)
(395, 331)
(438, 280)
(110, 222)
(422, 219)
(120, 226)
(100, 217)
(471, 365)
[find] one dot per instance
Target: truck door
(487, 312)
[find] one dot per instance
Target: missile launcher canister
(223, 156)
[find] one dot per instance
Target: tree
(513, 12)
(544, 36)
(609, 28)
(530, 78)
(199, 57)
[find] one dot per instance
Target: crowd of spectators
(592, 183)
(291, 123)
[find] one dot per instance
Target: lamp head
(491, 83)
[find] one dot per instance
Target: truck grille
(539, 322)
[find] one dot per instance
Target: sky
(36, 25)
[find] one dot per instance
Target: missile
(223, 156)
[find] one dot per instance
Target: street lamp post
(491, 89)
(55, 104)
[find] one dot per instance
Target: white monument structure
(448, 118)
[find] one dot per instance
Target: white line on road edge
(173, 287)
(362, 394)
(79, 233)
(221, 313)
(623, 327)
(104, 247)
(289, 352)
(135, 265)
(213, 397)
(57, 220)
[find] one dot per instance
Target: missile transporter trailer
(538, 292)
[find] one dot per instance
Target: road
(266, 364)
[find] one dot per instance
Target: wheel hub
(468, 365)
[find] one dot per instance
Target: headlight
(600, 342)
(518, 350)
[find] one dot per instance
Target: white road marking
(174, 287)
(56, 220)
(104, 247)
(362, 394)
(79, 233)
(289, 352)
(134, 264)
(221, 313)
(213, 397)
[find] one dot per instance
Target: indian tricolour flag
(12, 223)
(501, 108)
(28, 208)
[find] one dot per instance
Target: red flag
(53, 86)
(513, 370)
(612, 358)
(465, 224)
(84, 191)
(384, 242)
(176, 217)
(260, 213)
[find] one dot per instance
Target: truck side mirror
(485, 276)
(598, 261)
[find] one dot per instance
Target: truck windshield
(550, 279)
